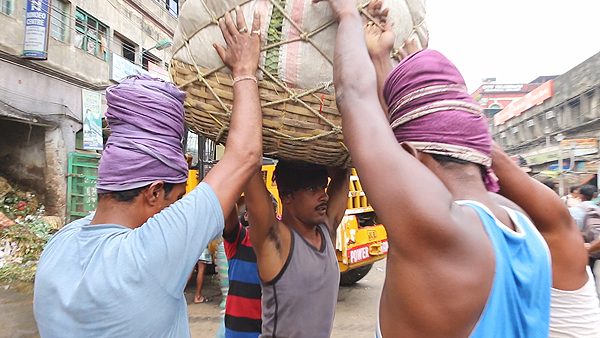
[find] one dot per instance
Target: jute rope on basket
(300, 125)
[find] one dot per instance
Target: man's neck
(464, 184)
(309, 232)
(467, 184)
(120, 213)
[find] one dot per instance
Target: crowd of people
(477, 248)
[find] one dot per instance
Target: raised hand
(411, 46)
(243, 46)
(380, 41)
(341, 8)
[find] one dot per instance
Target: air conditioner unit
(502, 135)
(549, 115)
(515, 130)
(530, 123)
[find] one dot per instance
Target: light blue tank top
(519, 302)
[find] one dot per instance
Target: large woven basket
(298, 124)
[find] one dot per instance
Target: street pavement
(355, 315)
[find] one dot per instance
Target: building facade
(91, 44)
(559, 119)
(493, 97)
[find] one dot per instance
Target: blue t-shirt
(111, 281)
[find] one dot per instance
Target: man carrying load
(121, 272)
(459, 264)
(297, 264)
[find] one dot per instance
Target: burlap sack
(300, 64)
(300, 117)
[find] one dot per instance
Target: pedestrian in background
(573, 199)
(585, 194)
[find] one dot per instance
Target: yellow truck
(361, 240)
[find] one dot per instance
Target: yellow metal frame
(355, 246)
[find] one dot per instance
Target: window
(92, 35)
(149, 57)
(7, 6)
(126, 47)
(172, 6)
(59, 24)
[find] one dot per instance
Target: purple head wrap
(146, 119)
(429, 106)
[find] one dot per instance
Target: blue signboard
(37, 18)
(566, 165)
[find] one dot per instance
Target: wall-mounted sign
(92, 120)
(121, 68)
(158, 72)
(580, 143)
(552, 155)
(37, 18)
(501, 88)
(533, 98)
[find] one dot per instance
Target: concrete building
(561, 118)
(494, 97)
(91, 44)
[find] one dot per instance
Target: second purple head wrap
(146, 119)
(429, 106)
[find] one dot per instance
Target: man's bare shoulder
(505, 202)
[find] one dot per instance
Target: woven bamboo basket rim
(203, 85)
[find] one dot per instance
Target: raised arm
(243, 153)
(232, 223)
(550, 216)
(338, 197)
(390, 175)
(270, 239)
(547, 211)
(380, 43)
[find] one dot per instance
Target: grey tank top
(301, 300)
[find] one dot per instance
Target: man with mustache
(296, 259)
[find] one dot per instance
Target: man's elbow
(252, 159)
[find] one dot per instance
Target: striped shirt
(243, 308)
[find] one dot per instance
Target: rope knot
(336, 130)
(304, 36)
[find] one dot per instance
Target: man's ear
(154, 192)
(410, 149)
(287, 198)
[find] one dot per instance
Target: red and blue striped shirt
(243, 308)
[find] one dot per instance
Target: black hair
(241, 217)
(448, 162)
(549, 183)
(293, 176)
(129, 195)
(573, 188)
(587, 192)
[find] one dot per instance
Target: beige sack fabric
(298, 40)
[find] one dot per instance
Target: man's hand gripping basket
(300, 118)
